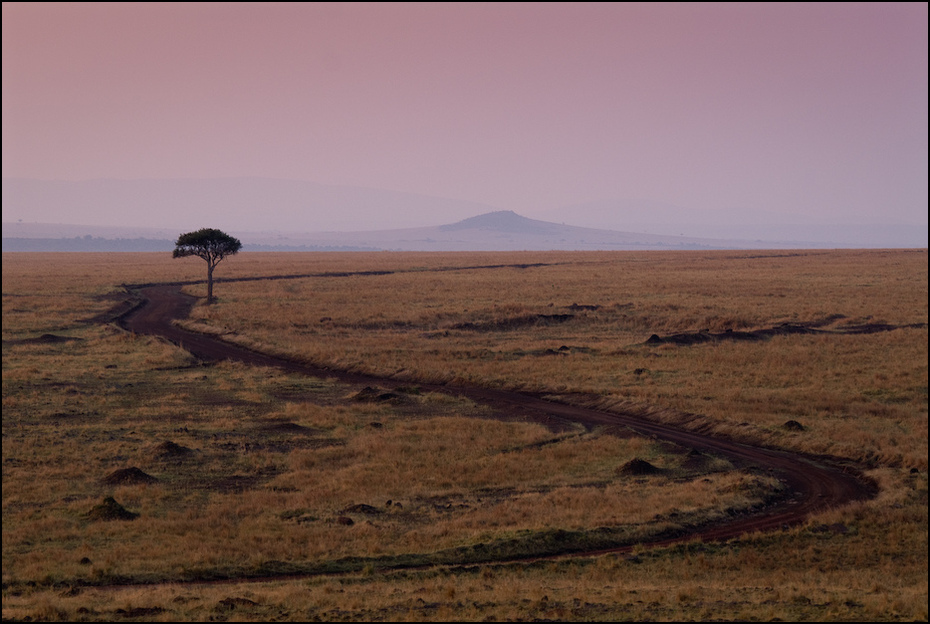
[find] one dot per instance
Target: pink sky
(806, 109)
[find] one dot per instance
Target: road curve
(813, 484)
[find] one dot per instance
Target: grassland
(254, 472)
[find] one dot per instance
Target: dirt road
(813, 484)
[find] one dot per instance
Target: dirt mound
(43, 339)
(125, 476)
(638, 467)
(695, 461)
(374, 395)
(361, 508)
(109, 509)
(170, 450)
(232, 603)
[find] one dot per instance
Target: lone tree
(209, 244)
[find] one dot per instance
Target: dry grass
(576, 323)
(276, 460)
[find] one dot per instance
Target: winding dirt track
(813, 483)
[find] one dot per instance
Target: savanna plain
(140, 483)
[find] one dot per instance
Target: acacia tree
(211, 245)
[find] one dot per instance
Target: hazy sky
(804, 108)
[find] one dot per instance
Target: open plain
(465, 436)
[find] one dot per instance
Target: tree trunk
(210, 267)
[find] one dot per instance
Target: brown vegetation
(275, 460)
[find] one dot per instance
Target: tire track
(813, 483)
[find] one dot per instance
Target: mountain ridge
(285, 206)
(502, 230)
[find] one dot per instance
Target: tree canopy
(210, 244)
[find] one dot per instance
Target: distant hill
(506, 221)
(502, 230)
(276, 209)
